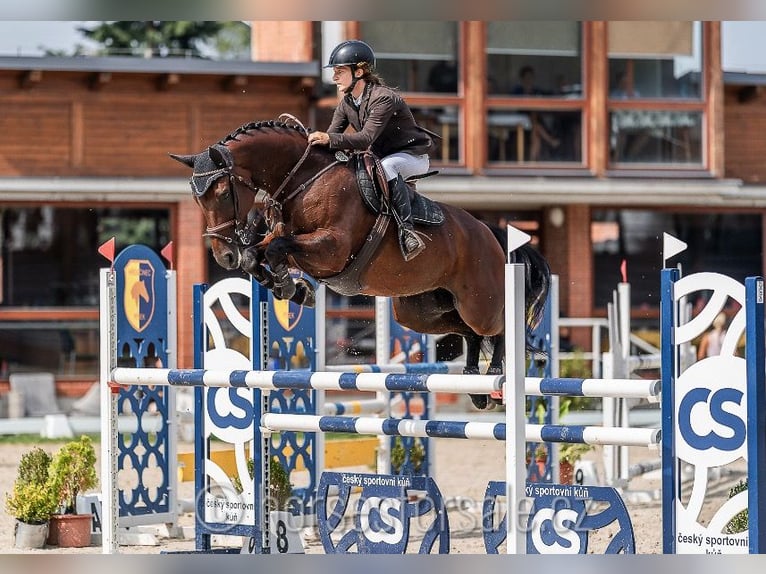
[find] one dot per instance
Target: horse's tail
(537, 277)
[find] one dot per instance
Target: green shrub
(572, 452)
(417, 455)
(31, 503)
(73, 470)
(33, 467)
(33, 499)
(739, 522)
(280, 487)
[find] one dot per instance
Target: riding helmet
(352, 53)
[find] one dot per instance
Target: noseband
(243, 232)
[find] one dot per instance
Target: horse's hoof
(285, 291)
(494, 370)
(305, 294)
(479, 401)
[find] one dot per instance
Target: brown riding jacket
(383, 123)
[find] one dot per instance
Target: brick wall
(745, 133)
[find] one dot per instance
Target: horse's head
(231, 222)
(240, 183)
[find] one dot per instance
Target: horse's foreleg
(253, 263)
(275, 254)
(472, 352)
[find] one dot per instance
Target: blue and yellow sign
(141, 293)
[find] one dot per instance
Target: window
(540, 59)
(415, 56)
(535, 92)
(49, 286)
(727, 242)
(655, 93)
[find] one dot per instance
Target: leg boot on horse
(411, 244)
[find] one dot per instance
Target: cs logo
(711, 414)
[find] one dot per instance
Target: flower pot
(29, 535)
(70, 530)
(566, 472)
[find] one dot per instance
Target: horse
(272, 202)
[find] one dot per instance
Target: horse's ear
(187, 160)
(218, 159)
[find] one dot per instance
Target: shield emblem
(288, 314)
(139, 294)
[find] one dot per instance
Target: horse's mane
(262, 124)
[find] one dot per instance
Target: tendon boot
(409, 241)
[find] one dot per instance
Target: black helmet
(352, 53)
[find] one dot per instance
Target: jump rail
(459, 430)
(412, 382)
(271, 380)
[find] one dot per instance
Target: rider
(384, 124)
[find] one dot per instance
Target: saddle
(373, 188)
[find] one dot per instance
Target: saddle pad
(424, 210)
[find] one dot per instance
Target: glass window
(655, 59)
(59, 347)
(444, 124)
(541, 63)
(49, 260)
(729, 243)
(655, 136)
(415, 56)
(48, 255)
(534, 135)
(534, 59)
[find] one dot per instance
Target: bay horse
(272, 202)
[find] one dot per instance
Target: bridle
(271, 210)
(244, 232)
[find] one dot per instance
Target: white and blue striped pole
(271, 380)
(593, 435)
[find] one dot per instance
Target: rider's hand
(319, 138)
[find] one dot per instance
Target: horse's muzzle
(227, 255)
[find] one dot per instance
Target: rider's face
(342, 77)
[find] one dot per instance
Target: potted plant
(569, 454)
(32, 502)
(72, 470)
(282, 524)
(416, 452)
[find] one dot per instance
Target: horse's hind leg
(496, 363)
(472, 352)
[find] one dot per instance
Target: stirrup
(412, 245)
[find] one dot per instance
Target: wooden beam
(235, 83)
(98, 80)
(30, 78)
(167, 81)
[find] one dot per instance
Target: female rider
(384, 124)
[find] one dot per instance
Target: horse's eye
(225, 195)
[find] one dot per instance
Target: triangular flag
(107, 250)
(624, 271)
(167, 253)
(517, 238)
(671, 246)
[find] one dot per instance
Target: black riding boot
(409, 241)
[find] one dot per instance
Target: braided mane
(252, 126)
